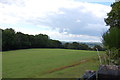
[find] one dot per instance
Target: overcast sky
(64, 20)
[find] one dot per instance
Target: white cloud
(54, 34)
(61, 19)
(96, 0)
(32, 9)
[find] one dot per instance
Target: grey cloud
(88, 23)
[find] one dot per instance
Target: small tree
(98, 47)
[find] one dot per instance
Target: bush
(112, 56)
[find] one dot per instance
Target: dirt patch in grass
(65, 67)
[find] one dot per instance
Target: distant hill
(90, 44)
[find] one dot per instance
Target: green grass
(0, 65)
(36, 63)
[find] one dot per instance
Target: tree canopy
(111, 38)
(113, 19)
(17, 40)
(12, 40)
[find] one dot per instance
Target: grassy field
(48, 63)
(0, 65)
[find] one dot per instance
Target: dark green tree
(113, 19)
(41, 41)
(8, 39)
(1, 39)
(75, 45)
(111, 38)
(22, 40)
(84, 47)
(66, 45)
(18, 40)
(98, 47)
(55, 44)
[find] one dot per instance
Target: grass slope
(36, 63)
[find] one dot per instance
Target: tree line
(12, 40)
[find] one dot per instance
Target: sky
(64, 20)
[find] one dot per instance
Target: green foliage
(55, 44)
(113, 19)
(98, 47)
(17, 40)
(22, 40)
(111, 39)
(0, 39)
(77, 46)
(8, 39)
(41, 41)
(111, 57)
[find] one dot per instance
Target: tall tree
(1, 39)
(8, 39)
(41, 41)
(22, 40)
(111, 39)
(113, 19)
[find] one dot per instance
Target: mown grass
(36, 63)
(0, 65)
